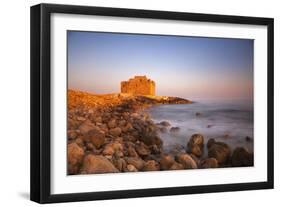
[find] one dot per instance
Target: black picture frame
(41, 99)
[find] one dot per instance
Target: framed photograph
(132, 103)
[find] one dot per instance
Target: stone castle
(139, 85)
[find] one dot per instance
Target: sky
(188, 67)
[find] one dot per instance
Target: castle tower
(139, 85)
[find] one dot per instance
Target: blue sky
(190, 67)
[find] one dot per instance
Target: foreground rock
(120, 164)
(196, 145)
(166, 162)
(177, 166)
(241, 157)
(75, 156)
(96, 137)
(142, 149)
(151, 165)
(112, 148)
(219, 150)
(115, 131)
(131, 168)
(209, 163)
(86, 126)
(138, 163)
(112, 133)
(97, 164)
(187, 161)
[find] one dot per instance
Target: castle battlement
(139, 85)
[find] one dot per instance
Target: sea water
(230, 121)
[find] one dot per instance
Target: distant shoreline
(117, 98)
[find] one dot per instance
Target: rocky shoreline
(112, 133)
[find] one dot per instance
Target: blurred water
(226, 120)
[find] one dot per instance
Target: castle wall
(139, 85)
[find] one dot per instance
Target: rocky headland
(113, 133)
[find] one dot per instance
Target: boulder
(210, 142)
(197, 150)
(108, 150)
(97, 137)
(120, 164)
(198, 114)
(174, 129)
(118, 153)
(135, 161)
(89, 146)
(75, 156)
(79, 141)
(165, 123)
(72, 124)
(122, 123)
(155, 149)
(166, 162)
(112, 123)
(134, 115)
(220, 151)
(241, 157)
(86, 126)
(71, 134)
(131, 168)
(176, 166)
(98, 119)
(142, 149)
(80, 118)
(209, 163)
(132, 152)
(115, 131)
(195, 145)
(111, 148)
(187, 161)
(127, 127)
(151, 165)
(196, 159)
(151, 139)
(104, 128)
(196, 139)
(97, 164)
(91, 111)
(249, 139)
